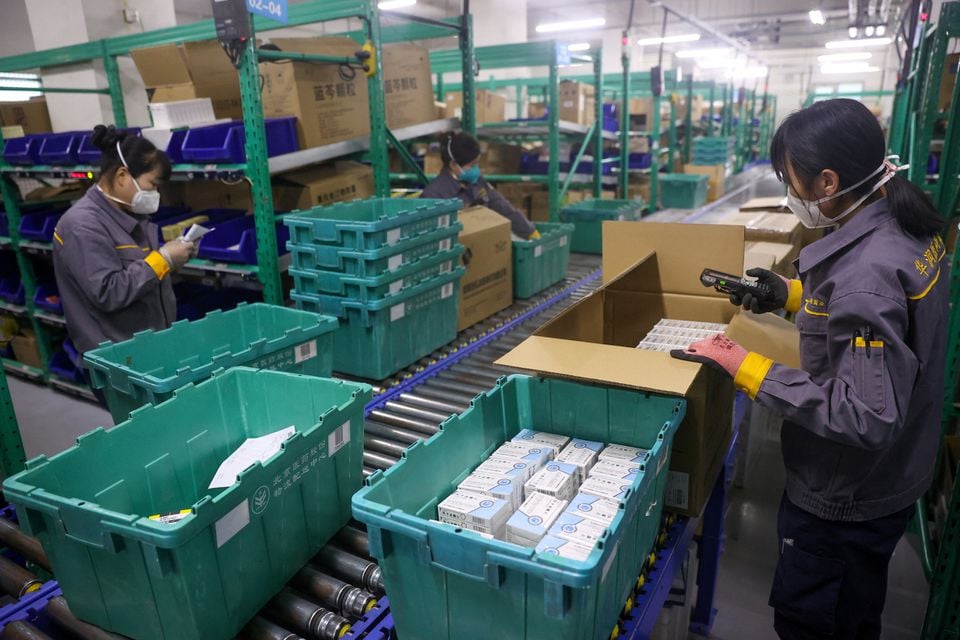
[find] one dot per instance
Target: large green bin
(448, 583)
(588, 218)
(539, 263)
(683, 190)
(204, 577)
(147, 368)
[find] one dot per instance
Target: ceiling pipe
(706, 28)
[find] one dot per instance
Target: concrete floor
(50, 422)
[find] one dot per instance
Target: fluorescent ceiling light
(868, 31)
(881, 29)
(579, 46)
(857, 44)
(748, 72)
(845, 57)
(704, 53)
(572, 25)
(683, 37)
(387, 5)
(847, 67)
(719, 63)
(852, 32)
(816, 17)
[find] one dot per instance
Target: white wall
(15, 37)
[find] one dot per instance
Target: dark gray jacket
(447, 186)
(862, 416)
(111, 278)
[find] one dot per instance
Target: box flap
(163, 65)
(683, 252)
(619, 366)
(206, 59)
(767, 334)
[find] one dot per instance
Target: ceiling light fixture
(816, 17)
(387, 5)
(881, 29)
(852, 32)
(579, 46)
(857, 44)
(704, 53)
(845, 57)
(589, 23)
(847, 67)
(868, 31)
(683, 37)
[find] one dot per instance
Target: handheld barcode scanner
(730, 284)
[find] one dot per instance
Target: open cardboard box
(652, 271)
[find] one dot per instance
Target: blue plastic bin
(63, 364)
(236, 241)
(40, 226)
(88, 153)
(24, 150)
(640, 160)
(11, 290)
(61, 148)
(224, 142)
(44, 291)
(214, 217)
(4, 225)
(175, 146)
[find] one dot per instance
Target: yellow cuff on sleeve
(158, 264)
(751, 373)
(795, 297)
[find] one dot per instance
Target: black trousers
(831, 579)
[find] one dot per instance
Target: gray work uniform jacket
(446, 185)
(862, 416)
(112, 281)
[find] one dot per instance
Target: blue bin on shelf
(196, 301)
(24, 150)
(236, 241)
(61, 148)
(640, 160)
(63, 364)
(40, 226)
(174, 148)
(224, 142)
(4, 225)
(48, 290)
(88, 153)
(11, 290)
(214, 217)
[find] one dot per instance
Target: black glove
(776, 300)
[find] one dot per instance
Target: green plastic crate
(539, 263)
(380, 337)
(203, 577)
(373, 223)
(447, 583)
(315, 282)
(372, 263)
(683, 190)
(147, 368)
(588, 218)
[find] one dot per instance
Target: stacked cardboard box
(30, 116)
(490, 107)
(487, 286)
(577, 103)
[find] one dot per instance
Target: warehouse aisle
(50, 421)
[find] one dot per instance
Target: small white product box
(620, 471)
(570, 526)
(511, 468)
(602, 510)
(528, 451)
(475, 512)
(623, 452)
(603, 487)
(536, 515)
(502, 487)
(557, 479)
(554, 546)
(582, 459)
(555, 440)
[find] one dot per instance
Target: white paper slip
(252, 450)
(618, 470)
(195, 232)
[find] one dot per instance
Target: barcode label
(396, 285)
(396, 312)
(676, 493)
(538, 251)
(339, 438)
(446, 291)
(443, 221)
(395, 262)
(231, 524)
(563, 241)
(305, 351)
(445, 245)
(445, 267)
(393, 236)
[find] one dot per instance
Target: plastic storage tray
(445, 582)
(376, 287)
(365, 225)
(204, 576)
(24, 150)
(588, 217)
(378, 338)
(236, 241)
(61, 148)
(40, 226)
(375, 262)
(151, 365)
(225, 142)
(44, 291)
(683, 190)
(537, 264)
(88, 153)
(64, 363)
(11, 290)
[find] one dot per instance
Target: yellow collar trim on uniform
(927, 290)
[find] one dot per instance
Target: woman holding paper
(862, 415)
(112, 275)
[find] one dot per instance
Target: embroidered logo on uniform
(815, 307)
(931, 257)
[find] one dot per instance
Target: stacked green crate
(714, 150)
(683, 190)
(539, 263)
(588, 217)
(389, 269)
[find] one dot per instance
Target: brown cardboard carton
(755, 259)
(407, 85)
(32, 116)
(595, 339)
(322, 185)
(777, 203)
(762, 226)
(782, 255)
(491, 107)
(211, 194)
(25, 349)
(717, 174)
(947, 80)
(500, 159)
(328, 107)
(487, 286)
(577, 102)
(192, 70)
(537, 110)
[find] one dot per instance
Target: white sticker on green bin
(396, 285)
(305, 351)
(231, 524)
(443, 222)
(395, 262)
(393, 236)
(339, 438)
(445, 244)
(396, 312)
(447, 291)
(538, 251)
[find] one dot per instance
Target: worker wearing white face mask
(112, 275)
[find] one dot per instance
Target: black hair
(464, 147)
(843, 135)
(141, 154)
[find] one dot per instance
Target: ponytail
(912, 208)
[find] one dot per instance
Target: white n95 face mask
(809, 214)
(144, 202)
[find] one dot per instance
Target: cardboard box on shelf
(717, 173)
(487, 286)
(641, 114)
(948, 79)
(328, 107)
(31, 115)
(407, 85)
(440, 110)
(322, 185)
(192, 70)
(519, 194)
(595, 339)
(540, 206)
(577, 102)
(491, 107)
(537, 110)
(502, 159)
(209, 194)
(25, 349)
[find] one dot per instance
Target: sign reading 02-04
(273, 9)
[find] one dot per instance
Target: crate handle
(446, 549)
(555, 600)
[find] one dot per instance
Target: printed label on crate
(305, 351)
(446, 267)
(280, 360)
(563, 241)
(395, 262)
(231, 524)
(538, 251)
(445, 244)
(393, 236)
(676, 494)
(397, 311)
(339, 438)
(295, 470)
(396, 285)
(447, 291)
(443, 221)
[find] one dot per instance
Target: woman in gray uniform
(862, 415)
